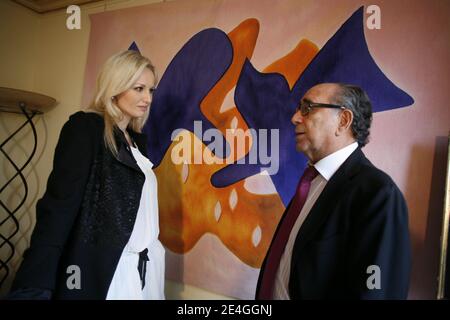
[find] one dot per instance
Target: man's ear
(345, 120)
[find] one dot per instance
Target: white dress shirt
(326, 168)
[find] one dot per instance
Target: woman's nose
(147, 97)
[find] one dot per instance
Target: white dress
(126, 283)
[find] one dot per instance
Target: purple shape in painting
(192, 73)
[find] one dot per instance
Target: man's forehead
(323, 91)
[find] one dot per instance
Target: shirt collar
(331, 163)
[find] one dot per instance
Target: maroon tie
(282, 236)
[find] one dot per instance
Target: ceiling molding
(44, 6)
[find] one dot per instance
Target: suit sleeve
(379, 246)
(57, 209)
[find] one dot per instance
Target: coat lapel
(124, 154)
(141, 141)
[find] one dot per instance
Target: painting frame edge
(443, 272)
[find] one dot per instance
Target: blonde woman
(96, 235)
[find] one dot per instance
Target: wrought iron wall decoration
(29, 104)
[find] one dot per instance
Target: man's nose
(297, 117)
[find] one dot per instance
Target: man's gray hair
(356, 99)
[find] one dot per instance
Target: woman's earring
(113, 98)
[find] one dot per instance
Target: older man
(345, 233)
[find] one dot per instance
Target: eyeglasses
(305, 107)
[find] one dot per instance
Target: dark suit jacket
(359, 220)
(86, 215)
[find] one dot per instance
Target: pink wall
(410, 144)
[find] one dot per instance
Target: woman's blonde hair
(118, 74)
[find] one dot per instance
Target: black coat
(87, 213)
(360, 219)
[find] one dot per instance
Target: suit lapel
(327, 199)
